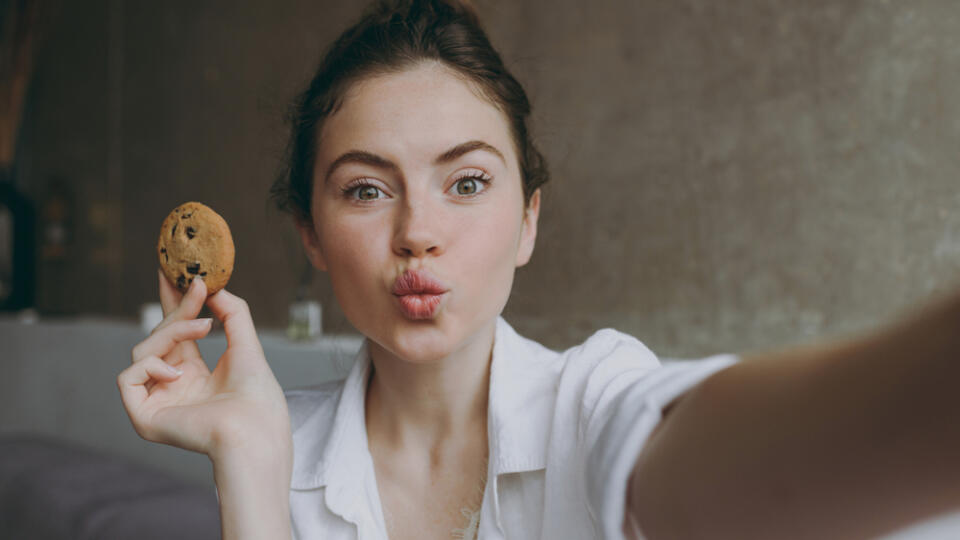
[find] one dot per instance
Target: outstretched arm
(845, 440)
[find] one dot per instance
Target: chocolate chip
(181, 281)
(173, 231)
(193, 268)
(191, 232)
(163, 250)
(185, 216)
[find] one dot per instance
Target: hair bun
(408, 10)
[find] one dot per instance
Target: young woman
(414, 183)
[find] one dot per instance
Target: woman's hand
(238, 406)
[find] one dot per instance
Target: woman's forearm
(849, 439)
(254, 490)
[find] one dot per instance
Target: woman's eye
(470, 185)
(363, 192)
(467, 186)
(367, 193)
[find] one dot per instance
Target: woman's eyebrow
(364, 158)
(465, 148)
(368, 158)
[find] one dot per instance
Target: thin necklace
(472, 515)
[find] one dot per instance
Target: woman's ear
(528, 234)
(311, 244)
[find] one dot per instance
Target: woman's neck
(430, 406)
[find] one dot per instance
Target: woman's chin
(419, 346)
(422, 353)
(427, 342)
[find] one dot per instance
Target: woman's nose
(418, 230)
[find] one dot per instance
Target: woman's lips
(419, 294)
(420, 306)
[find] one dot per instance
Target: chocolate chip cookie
(195, 241)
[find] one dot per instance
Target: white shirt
(564, 428)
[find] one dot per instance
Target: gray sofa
(53, 489)
(71, 464)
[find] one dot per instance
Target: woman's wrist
(273, 448)
(270, 455)
(268, 462)
(253, 485)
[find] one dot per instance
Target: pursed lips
(419, 294)
(418, 282)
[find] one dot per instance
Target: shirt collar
(521, 397)
(523, 388)
(322, 451)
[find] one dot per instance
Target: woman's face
(417, 174)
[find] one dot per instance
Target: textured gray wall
(727, 175)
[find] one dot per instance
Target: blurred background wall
(726, 176)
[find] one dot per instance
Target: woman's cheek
(345, 241)
(495, 253)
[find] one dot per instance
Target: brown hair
(391, 36)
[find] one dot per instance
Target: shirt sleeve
(623, 402)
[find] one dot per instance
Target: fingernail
(174, 370)
(203, 322)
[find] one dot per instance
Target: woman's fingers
(189, 305)
(132, 383)
(165, 338)
(169, 296)
(237, 322)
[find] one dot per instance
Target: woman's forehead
(423, 110)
